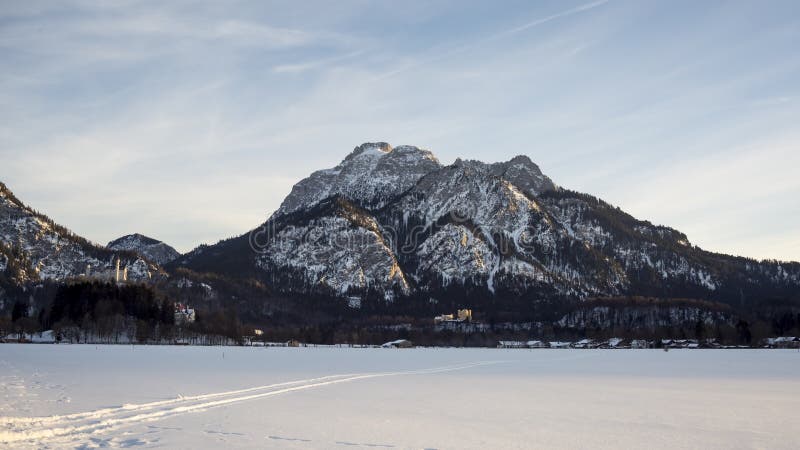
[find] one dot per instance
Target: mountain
(152, 249)
(34, 248)
(392, 223)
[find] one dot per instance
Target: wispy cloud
(488, 39)
(315, 63)
(550, 18)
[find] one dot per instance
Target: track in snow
(81, 425)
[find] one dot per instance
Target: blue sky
(191, 122)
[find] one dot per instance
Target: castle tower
(116, 276)
(125, 274)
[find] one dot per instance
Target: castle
(463, 315)
(117, 274)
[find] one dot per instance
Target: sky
(190, 122)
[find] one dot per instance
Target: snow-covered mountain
(372, 175)
(152, 249)
(394, 222)
(33, 247)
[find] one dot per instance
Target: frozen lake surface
(83, 396)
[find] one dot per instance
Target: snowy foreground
(83, 396)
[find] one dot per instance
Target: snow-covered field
(86, 396)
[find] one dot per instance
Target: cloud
(550, 18)
(315, 64)
(493, 37)
(191, 124)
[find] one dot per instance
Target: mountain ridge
(501, 231)
(37, 248)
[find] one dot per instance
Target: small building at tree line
(183, 314)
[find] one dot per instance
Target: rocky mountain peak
(375, 173)
(150, 248)
(520, 171)
(369, 149)
(135, 237)
(380, 156)
(470, 164)
(522, 159)
(525, 174)
(371, 175)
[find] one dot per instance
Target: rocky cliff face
(395, 222)
(152, 249)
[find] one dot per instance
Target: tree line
(94, 311)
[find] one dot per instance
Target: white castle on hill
(117, 274)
